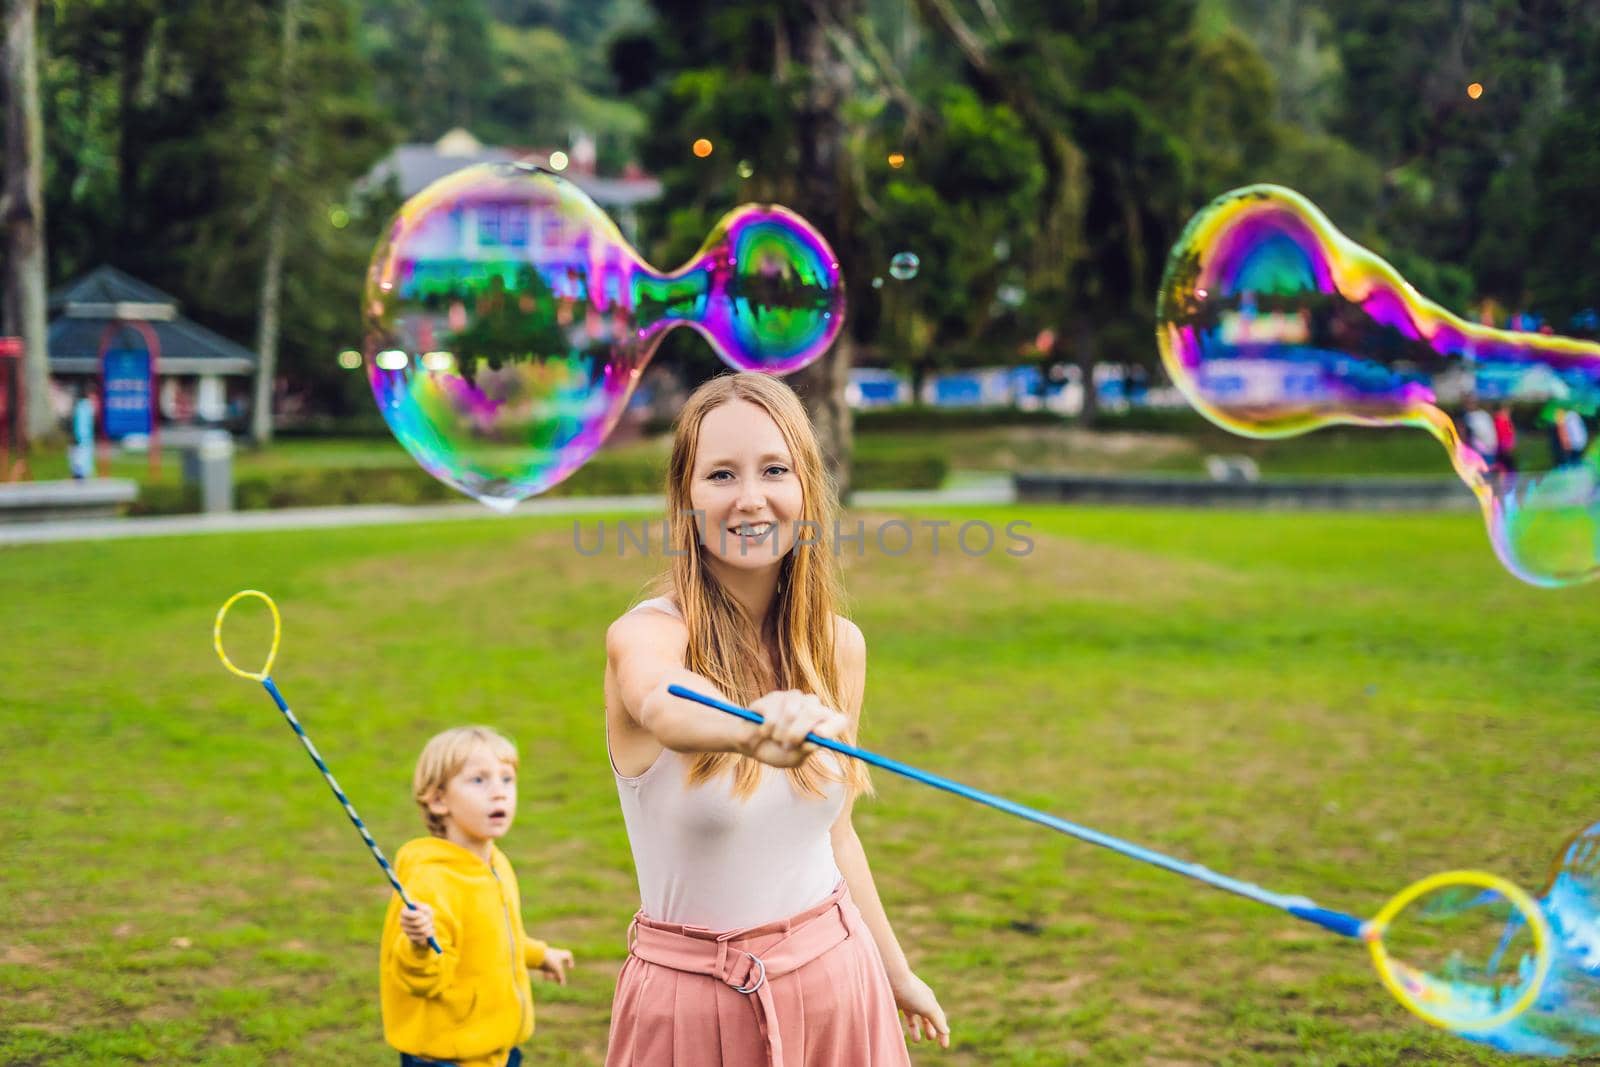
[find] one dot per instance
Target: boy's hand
(556, 963)
(417, 924)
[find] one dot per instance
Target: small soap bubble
(877, 283)
(508, 320)
(904, 266)
(1273, 323)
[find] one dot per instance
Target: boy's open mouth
(497, 813)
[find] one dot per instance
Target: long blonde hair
(725, 644)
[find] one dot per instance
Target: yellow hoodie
(472, 1004)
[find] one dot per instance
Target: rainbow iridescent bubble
(508, 320)
(1273, 323)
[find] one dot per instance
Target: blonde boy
(472, 1005)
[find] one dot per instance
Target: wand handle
(1300, 907)
(349, 809)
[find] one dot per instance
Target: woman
(760, 938)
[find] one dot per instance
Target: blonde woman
(760, 938)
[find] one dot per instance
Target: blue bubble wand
(264, 676)
(1415, 990)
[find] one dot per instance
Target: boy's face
(480, 802)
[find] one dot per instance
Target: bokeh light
(701, 147)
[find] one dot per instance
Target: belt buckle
(761, 975)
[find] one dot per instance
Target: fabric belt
(726, 956)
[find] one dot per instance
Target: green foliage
(1051, 152)
(162, 122)
(512, 72)
(1564, 218)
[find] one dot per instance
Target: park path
(989, 491)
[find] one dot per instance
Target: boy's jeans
(408, 1060)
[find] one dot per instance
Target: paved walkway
(988, 492)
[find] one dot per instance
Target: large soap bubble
(1273, 323)
(1563, 1018)
(507, 320)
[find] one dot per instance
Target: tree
(176, 139)
(826, 198)
(1111, 95)
(961, 198)
(22, 213)
(277, 225)
(767, 83)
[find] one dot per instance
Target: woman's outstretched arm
(916, 1001)
(645, 651)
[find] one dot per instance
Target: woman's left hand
(922, 1012)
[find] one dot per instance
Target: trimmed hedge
(603, 475)
(917, 470)
(317, 426)
(926, 419)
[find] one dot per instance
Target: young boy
(472, 1005)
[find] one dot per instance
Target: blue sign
(127, 392)
(957, 391)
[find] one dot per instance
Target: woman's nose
(752, 499)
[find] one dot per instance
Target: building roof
(108, 285)
(414, 167)
(82, 310)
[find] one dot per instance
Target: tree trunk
(22, 214)
(1085, 354)
(277, 229)
(825, 199)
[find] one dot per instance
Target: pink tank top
(706, 858)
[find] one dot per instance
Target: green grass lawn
(1327, 704)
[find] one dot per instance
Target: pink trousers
(806, 991)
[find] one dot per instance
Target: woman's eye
(777, 471)
(717, 476)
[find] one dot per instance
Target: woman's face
(743, 488)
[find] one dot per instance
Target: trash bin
(209, 463)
